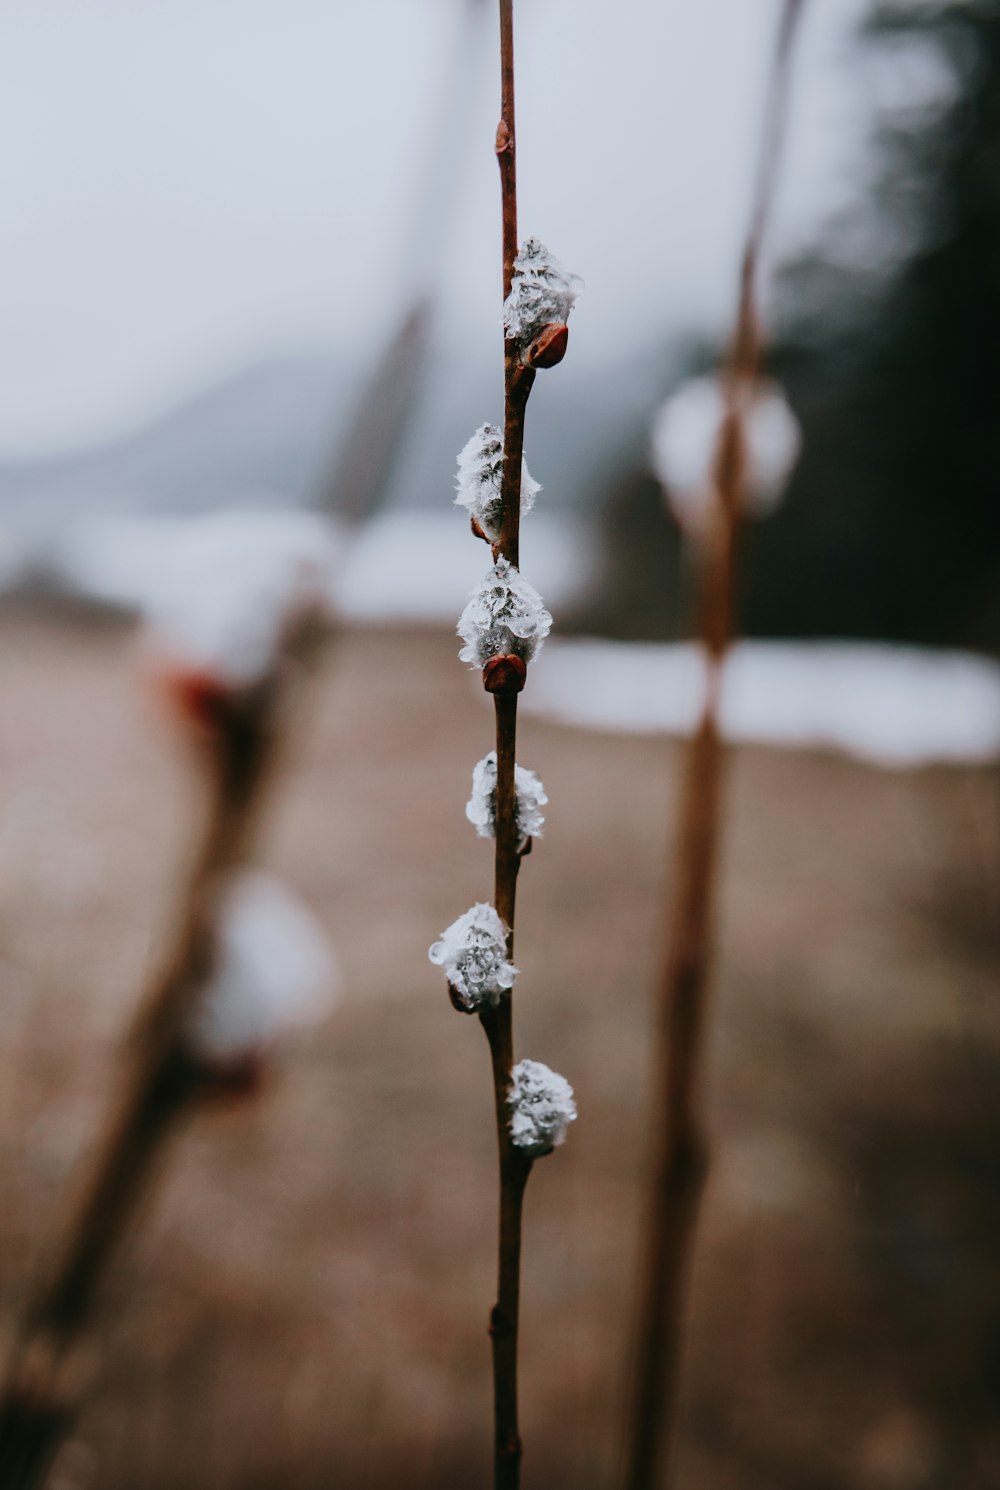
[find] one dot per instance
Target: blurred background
(252, 264)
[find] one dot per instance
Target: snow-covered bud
(503, 626)
(274, 971)
(237, 585)
(473, 953)
(541, 1108)
(480, 478)
(481, 808)
(685, 445)
(542, 294)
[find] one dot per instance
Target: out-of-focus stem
(681, 1154)
(44, 1381)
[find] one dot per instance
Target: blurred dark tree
(889, 343)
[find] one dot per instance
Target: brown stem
(514, 1167)
(681, 1155)
(44, 1384)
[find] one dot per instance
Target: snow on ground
(892, 705)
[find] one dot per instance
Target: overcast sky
(192, 185)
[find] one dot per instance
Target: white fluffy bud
(541, 1108)
(481, 808)
(542, 293)
(473, 953)
(479, 480)
(504, 616)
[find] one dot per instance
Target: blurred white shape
(218, 590)
(890, 705)
(685, 444)
(420, 566)
(275, 970)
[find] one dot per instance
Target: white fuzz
(473, 953)
(504, 616)
(541, 1108)
(542, 293)
(685, 445)
(274, 970)
(238, 580)
(481, 808)
(480, 477)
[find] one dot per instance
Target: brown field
(305, 1304)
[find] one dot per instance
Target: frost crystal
(274, 970)
(480, 474)
(542, 293)
(504, 616)
(473, 953)
(541, 1108)
(685, 441)
(481, 809)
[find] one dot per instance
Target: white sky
(191, 185)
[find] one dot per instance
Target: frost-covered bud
(481, 808)
(473, 953)
(480, 478)
(504, 621)
(685, 445)
(542, 294)
(236, 585)
(274, 971)
(541, 1108)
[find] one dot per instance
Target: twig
(44, 1383)
(498, 1022)
(681, 1157)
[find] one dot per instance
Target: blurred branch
(46, 1377)
(681, 1156)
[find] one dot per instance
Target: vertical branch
(498, 1022)
(681, 1155)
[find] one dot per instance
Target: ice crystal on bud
(481, 809)
(541, 1108)
(479, 480)
(542, 293)
(504, 616)
(685, 446)
(273, 971)
(473, 953)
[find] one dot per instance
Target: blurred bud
(535, 313)
(473, 953)
(541, 1108)
(274, 972)
(479, 481)
(685, 440)
(504, 618)
(237, 584)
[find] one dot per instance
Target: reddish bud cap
(504, 674)
(548, 348)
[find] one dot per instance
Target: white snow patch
(421, 566)
(891, 705)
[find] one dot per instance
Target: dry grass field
(305, 1304)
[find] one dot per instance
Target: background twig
(681, 1157)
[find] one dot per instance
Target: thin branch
(498, 1022)
(681, 1158)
